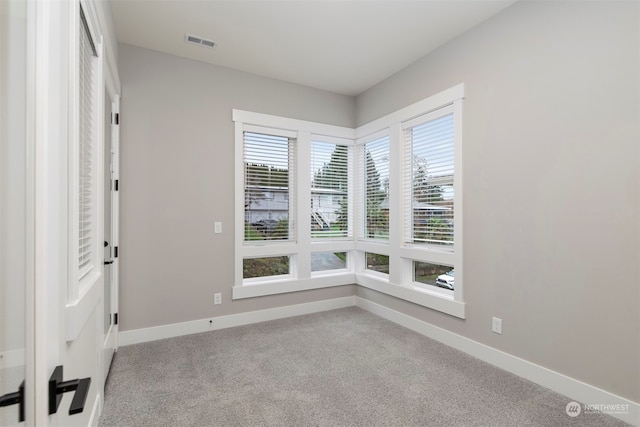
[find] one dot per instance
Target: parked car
(265, 225)
(445, 280)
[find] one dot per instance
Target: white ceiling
(340, 46)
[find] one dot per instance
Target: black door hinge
(115, 252)
(115, 318)
(115, 118)
(116, 184)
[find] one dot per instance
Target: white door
(110, 317)
(69, 254)
(16, 216)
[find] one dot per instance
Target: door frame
(111, 86)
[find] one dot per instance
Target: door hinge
(116, 184)
(115, 118)
(115, 318)
(115, 252)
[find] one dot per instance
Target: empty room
(320, 213)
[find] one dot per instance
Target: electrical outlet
(217, 298)
(496, 325)
(217, 227)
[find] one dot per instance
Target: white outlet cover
(496, 325)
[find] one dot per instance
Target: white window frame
(361, 192)
(399, 282)
(300, 276)
(349, 142)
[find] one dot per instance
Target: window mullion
(359, 194)
(239, 202)
(303, 257)
(395, 202)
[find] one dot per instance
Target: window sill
(431, 299)
(280, 286)
(434, 299)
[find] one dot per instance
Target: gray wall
(177, 155)
(551, 207)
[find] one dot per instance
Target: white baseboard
(137, 336)
(574, 389)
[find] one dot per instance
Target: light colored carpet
(343, 367)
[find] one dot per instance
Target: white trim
(280, 286)
(433, 299)
(545, 377)
(265, 248)
(373, 246)
(374, 136)
(267, 120)
(239, 202)
(430, 254)
(269, 131)
(433, 102)
(332, 245)
(137, 336)
(458, 200)
(332, 139)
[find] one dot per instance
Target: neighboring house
(326, 205)
(265, 202)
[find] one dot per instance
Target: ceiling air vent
(191, 39)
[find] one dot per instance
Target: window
(377, 262)
(376, 188)
(269, 183)
(433, 274)
(264, 267)
(329, 190)
(327, 261)
(396, 181)
(87, 152)
(283, 245)
(429, 179)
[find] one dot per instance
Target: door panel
(13, 204)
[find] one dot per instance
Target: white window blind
(376, 186)
(269, 187)
(428, 179)
(87, 152)
(329, 190)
